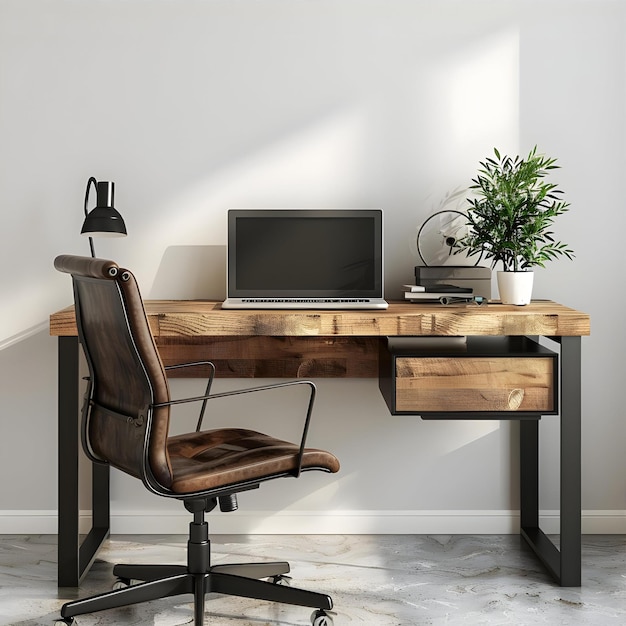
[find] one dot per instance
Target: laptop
(305, 259)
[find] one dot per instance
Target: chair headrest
(86, 266)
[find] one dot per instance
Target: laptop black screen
(305, 253)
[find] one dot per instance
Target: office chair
(125, 424)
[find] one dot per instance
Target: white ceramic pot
(515, 287)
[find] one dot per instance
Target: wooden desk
(307, 343)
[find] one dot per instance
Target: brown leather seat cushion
(226, 456)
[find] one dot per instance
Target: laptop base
(305, 303)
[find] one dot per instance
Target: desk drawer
(490, 376)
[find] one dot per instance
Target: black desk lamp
(104, 220)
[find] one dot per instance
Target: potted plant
(510, 217)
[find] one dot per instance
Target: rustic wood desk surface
(203, 318)
(317, 343)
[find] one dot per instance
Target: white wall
(195, 107)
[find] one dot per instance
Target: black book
(438, 288)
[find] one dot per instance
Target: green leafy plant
(512, 211)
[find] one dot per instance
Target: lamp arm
(91, 181)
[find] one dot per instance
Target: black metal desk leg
(75, 558)
(529, 473)
(68, 537)
(570, 461)
(564, 563)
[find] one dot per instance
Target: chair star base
(197, 578)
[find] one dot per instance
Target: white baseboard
(318, 523)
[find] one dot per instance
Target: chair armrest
(236, 392)
(192, 364)
(208, 386)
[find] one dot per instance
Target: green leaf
(512, 209)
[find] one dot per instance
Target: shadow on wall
(191, 273)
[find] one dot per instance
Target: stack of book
(434, 293)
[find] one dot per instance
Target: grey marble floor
(384, 580)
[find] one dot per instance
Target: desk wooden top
(186, 319)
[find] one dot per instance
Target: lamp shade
(104, 220)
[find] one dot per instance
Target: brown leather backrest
(125, 369)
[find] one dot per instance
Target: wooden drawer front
(448, 384)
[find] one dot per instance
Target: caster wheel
(321, 618)
(121, 583)
(66, 621)
(281, 579)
